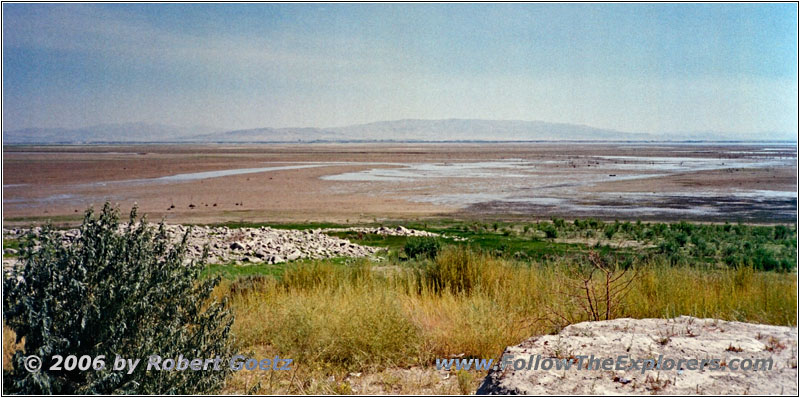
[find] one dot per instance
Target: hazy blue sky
(632, 67)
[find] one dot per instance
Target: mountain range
(103, 133)
(409, 130)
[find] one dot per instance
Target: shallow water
(415, 171)
(208, 174)
(530, 186)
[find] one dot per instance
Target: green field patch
(235, 271)
(374, 240)
(10, 244)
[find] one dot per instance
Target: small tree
(597, 298)
(114, 290)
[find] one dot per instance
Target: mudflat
(374, 182)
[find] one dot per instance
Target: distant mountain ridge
(416, 130)
(102, 133)
(482, 130)
(267, 134)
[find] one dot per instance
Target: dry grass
(352, 330)
(10, 346)
(338, 320)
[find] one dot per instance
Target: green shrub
(112, 291)
(668, 247)
(422, 247)
(549, 230)
(681, 238)
(781, 232)
(764, 260)
(610, 230)
(683, 226)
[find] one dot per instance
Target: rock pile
(735, 344)
(396, 231)
(254, 245)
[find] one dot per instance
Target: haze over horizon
(644, 68)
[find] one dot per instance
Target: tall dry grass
(468, 303)
(334, 320)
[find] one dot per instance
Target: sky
(650, 68)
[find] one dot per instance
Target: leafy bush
(681, 238)
(114, 290)
(781, 232)
(764, 260)
(610, 230)
(549, 230)
(591, 222)
(683, 226)
(422, 247)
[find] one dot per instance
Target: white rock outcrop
(254, 245)
(391, 231)
(679, 338)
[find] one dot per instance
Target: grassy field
(377, 325)
(366, 326)
(714, 245)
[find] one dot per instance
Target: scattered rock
(228, 245)
(294, 255)
(398, 231)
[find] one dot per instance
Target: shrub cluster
(422, 247)
(116, 290)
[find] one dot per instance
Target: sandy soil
(59, 182)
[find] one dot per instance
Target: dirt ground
(60, 182)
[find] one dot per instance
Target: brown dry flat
(69, 176)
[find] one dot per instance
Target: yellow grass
(338, 319)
